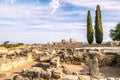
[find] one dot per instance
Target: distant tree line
(8, 45)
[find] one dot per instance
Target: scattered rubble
(54, 59)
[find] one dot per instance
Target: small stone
(56, 74)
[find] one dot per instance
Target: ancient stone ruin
(59, 61)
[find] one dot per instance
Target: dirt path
(14, 72)
(107, 71)
(76, 68)
(110, 71)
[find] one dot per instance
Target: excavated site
(66, 60)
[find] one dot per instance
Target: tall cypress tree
(98, 26)
(89, 28)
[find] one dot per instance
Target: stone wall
(77, 56)
(16, 57)
(9, 64)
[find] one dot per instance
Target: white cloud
(63, 26)
(38, 17)
(12, 11)
(10, 1)
(105, 4)
(54, 5)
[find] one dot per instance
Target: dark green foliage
(115, 33)
(8, 45)
(98, 26)
(6, 42)
(89, 28)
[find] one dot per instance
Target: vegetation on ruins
(98, 26)
(115, 33)
(89, 28)
(8, 45)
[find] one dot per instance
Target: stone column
(55, 62)
(93, 64)
(29, 57)
(58, 62)
(4, 58)
(84, 50)
(118, 59)
(86, 56)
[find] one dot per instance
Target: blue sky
(42, 21)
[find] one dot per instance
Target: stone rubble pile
(56, 55)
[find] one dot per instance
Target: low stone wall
(78, 56)
(10, 64)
